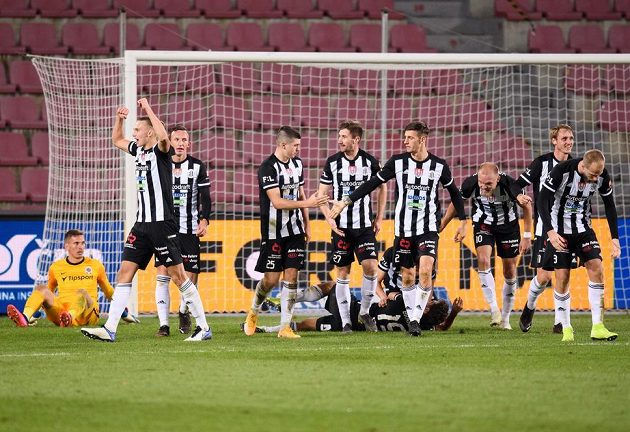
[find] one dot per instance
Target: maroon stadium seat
(82, 38)
(356, 109)
(513, 151)
(281, 78)
(365, 37)
(22, 112)
(189, 111)
(239, 78)
(5, 86)
(613, 116)
(362, 81)
(407, 82)
(322, 80)
(198, 78)
(373, 8)
(597, 10)
(327, 36)
(220, 187)
(137, 8)
(35, 183)
(588, 38)
(245, 36)
(468, 149)
(231, 112)
(111, 37)
(547, 39)
(7, 40)
(409, 38)
(176, 9)
(340, 9)
(314, 112)
(618, 78)
(619, 38)
(446, 82)
(222, 150)
(439, 114)
(258, 8)
(9, 189)
(16, 9)
(246, 185)
(163, 36)
(584, 79)
(14, 150)
(218, 8)
(312, 157)
(399, 112)
(41, 38)
(158, 80)
(478, 116)
(394, 145)
(270, 112)
(260, 146)
(39, 147)
(623, 7)
(524, 10)
(287, 36)
(95, 8)
(54, 8)
(24, 76)
(299, 9)
(204, 37)
(558, 10)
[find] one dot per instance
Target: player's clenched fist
(122, 113)
(143, 103)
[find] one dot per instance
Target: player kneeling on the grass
(564, 206)
(75, 278)
(495, 221)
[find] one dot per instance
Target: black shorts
(189, 244)
(361, 242)
(332, 322)
(538, 253)
(408, 250)
(153, 238)
(583, 246)
(279, 254)
(506, 237)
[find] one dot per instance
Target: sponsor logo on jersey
(276, 248)
(88, 270)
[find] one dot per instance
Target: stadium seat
(187, 110)
(39, 147)
(137, 8)
(41, 38)
(446, 82)
(156, 80)
(289, 36)
(204, 37)
(619, 38)
(83, 39)
(365, 37)
(362, 81)
(281, 78)
(35, 183)
(220, 188)
(613, 116)
(14, 150)
(312, 157)
(231, 112)
(478, 116)
(584, 80)
(238, 78)
(259, 145)
(558, 10)
(16, 9)
(588, 38)
(408, 38)
(198, 79)
(245, 36)
(163, 36)
(223, 152)
(258, 8)
(393, 145)
(95, 8)
(516, 10)
(270, 112)
(175, 9)
(246, 186)
(340, 9)
(9, 190)
(322, 80)
(407, 83)
(111, 37)
(22, 112)
(399, 111)
(618, 78)
(468, 149)
(373, 9)
(218, 8)
(302, 9)
(313, 112)
(327, 37)
(24, 76)
(623, 7)
(5, 85)
(512, 150)
(356, 109)
(597, 10)
(7, 40)
(54, 8)
(547, 39)
(439, 114)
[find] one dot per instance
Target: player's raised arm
(164, 143)
(118, 136)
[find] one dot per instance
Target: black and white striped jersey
(571, 205)
(417, 201)
(345, 176)
(498, 209)
(535, 175)
(188, 177)
(154, 183)
(288, 177)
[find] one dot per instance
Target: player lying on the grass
(495, 221)
(75, 278)
(564, 204)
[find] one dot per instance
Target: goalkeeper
(75, 278)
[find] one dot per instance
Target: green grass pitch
(472, 378)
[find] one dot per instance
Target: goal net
(479, 108)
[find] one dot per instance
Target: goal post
(480, 107)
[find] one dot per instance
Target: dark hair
(72, 233)
(177, 127)
(437, 314)
(145, 119)
(287, 133)
(355, 128)
(420, 127)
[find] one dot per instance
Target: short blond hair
(554, 131)
(593, 156)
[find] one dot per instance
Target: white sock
(409, 298)
(310, 294)
(118, 305)
(270, 329)
(260, 294)
(422, 298)
(562, 303)
(193, 301)
(287, 301)
(488, 289)
(535, 289)
(509, 288)
(596, 299)
(182, 304)
(342, 290)
(367, 293)
(162, 298)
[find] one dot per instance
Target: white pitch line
(36, 354)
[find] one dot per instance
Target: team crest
(88, 270)
(581, 186)
(419, 172)
(143, 157)
(289, 172)
(352, 170)
(177, 172)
